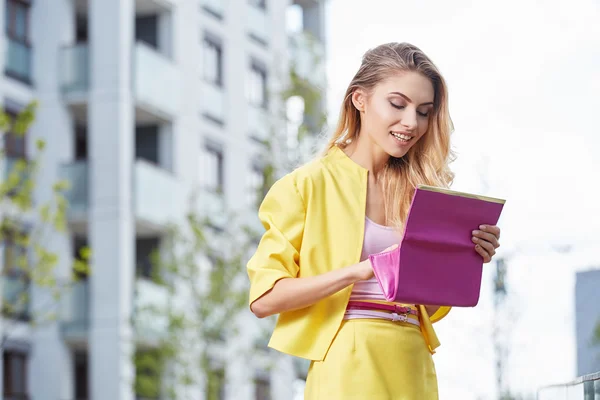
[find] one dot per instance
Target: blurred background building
(587, 320)
(141, 103)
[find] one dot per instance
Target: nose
(409, 119)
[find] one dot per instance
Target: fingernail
(477, 247)
(475, 240)
(482, 227)
(475, 232)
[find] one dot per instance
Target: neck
(367, 154)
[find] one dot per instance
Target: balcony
(15, 296)
(258, 25)
(75, 75)
(156, 82)
(583, 388)
(307, 58)
(157, 195)
(18, 60)
(213, 102)
(149, 299)
(75, 313)
(214, 7)
(150, 307)
(259, 123)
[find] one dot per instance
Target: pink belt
(394, 308)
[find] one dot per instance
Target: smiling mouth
(401, 137)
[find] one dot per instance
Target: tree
(26, 225)
(203, 267)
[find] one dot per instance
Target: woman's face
(395, 115)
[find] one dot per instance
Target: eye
(423, 114)
(397, 106)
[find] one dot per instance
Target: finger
(484, 254)
(493, 229)
(488, 237)
(487, 246)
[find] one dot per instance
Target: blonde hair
(427, 161)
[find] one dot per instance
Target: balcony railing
(76, 311)
(150, 298)
(156, 80)
(18, 60)
(583, 388)
(258, 26)
(259, 123)
(75, 69)
(215, 7)
(15, 296)
(156, 192)
(150, 308)
(213, 101)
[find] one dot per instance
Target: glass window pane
(212, 62)
(21, 22)
(211, 169)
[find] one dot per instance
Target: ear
(359, 99)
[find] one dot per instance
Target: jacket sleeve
(440, 313)
(282, 214)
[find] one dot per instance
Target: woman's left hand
(486, 241)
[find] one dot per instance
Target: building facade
(141, 102)
(587, 321)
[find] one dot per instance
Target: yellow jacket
(314, 219)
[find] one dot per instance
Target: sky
(524, 79)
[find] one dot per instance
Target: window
(146, 30)
(262, 4)
(257, 86)
(17, 20)
(213, 61)
(145, 249)
(81, 375)
(15, 145)
(15, 375)
(262, 388)
(79, 245)
(215, 385)
(15, 299)
(81, 142)
(146, 143)
(212, 167)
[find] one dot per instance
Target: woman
(324, 219)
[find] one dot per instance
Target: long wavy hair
(427, 162)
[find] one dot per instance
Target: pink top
(377, 238)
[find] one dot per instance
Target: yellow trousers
(374, 359)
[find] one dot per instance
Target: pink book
(436, 262)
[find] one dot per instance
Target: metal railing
(585, 387)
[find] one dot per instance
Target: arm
(432, 309)
(295, 293)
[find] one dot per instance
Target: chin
(397, 152)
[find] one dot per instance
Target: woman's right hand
(365, 269)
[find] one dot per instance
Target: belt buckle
(400, 313)
(399, 317)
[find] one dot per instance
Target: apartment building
(141, 102)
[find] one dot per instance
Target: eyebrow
(409, 100)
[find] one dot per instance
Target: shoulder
(305, 177)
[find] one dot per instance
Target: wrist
(360, 271)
